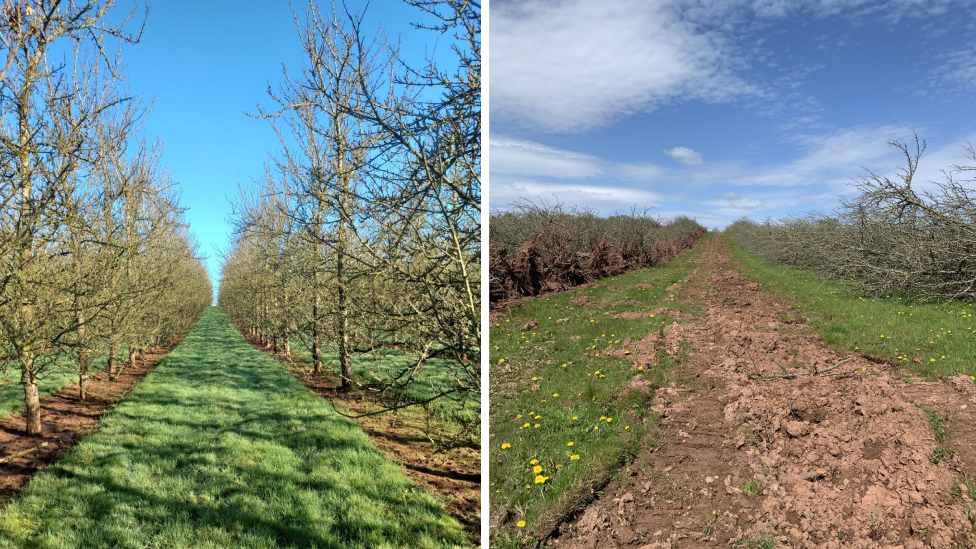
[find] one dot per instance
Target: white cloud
(573, 65)
(534, 159)
(685, 155)
(720, 192)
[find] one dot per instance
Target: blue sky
(722, 108)
(205, 64)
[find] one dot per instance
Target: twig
(814, 372)
(22, 453)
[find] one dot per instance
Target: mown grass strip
(562, 417)
(929, 340)
(221, 447)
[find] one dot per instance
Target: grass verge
(563, 416)
(927, 340)
(435, 453)
(221, 447)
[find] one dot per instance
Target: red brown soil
(842, 460)
(65, 420)
(454, 475)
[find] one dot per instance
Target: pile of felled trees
(562, 254)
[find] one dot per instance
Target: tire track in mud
(842, 461)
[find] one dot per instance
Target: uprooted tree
(541, 248)
(895, 235)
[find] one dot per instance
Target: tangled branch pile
(95, 259)
(892, 237)
(365, 234)
(536, 249)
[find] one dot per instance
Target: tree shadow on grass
(222, 448)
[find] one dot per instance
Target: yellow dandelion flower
(539, 479)
(569, 444)
(521, 523)
(574, 457)
(506, 445)
(537, 469)
(500, 360)
(533, 462)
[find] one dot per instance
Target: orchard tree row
(364, 231)
(95, 259)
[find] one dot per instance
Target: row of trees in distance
(95, 259)
(364, 232)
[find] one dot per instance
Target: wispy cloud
(575, 65)
(825, 167)
(569, 66)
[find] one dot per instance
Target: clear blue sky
(205, 63)
(722, 108)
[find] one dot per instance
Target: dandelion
(537, 469)
(574, 457)
(526, 425)
(533, 462)
(626, 427)
(575, 418)
(506, 446)
(534, 378)
(520, 524)
(569, 444)
(558, 466)
(539, 479)
(591, 320)
(537, 425)
(500, 360)
(609, 419)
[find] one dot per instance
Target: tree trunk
(113, 358)
(316, 332)
(345, 362)
(31, 398)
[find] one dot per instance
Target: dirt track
(843, 460)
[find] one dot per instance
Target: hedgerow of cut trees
(95, 259)
(364, 233)
(539, 248)
(892, 237)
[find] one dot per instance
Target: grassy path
(220, 447)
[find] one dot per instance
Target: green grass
(942, 451)
(221, 447)
(752, 487)
(548, 388)
(382, 365)
(764, 542)
(928, 340)
(55, 377)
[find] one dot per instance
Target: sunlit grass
(221, 447)
(562, 417)
(928, 340)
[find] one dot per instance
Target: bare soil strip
(455, 475)
(840, 457)
(66, 420)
